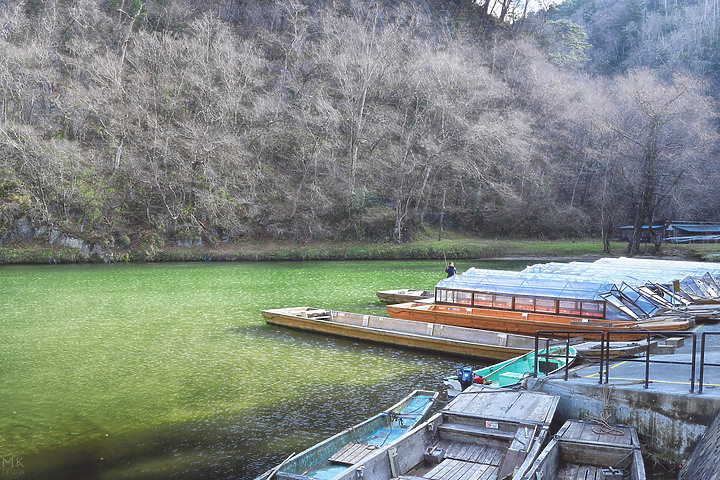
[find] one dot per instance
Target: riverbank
(452, 247)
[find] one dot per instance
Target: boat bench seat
(457, 428)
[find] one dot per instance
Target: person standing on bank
(450, 270)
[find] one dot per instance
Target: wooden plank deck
(352, 453)
(596, 433)
(459, 470)
(511, 405)
(468, 452)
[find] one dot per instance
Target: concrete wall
(670, 424)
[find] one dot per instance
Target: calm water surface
(169, 371)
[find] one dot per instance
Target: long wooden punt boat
(446, 339)
(527, 323)
(484, 434)
(405, 295)
(513, 371)
(582, 450)
(335, 454)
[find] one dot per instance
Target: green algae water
(169, 371)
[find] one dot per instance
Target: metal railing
(551, 340)
(566, 336)
(703, 363)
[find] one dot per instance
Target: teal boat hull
(515, 370)
(374, 433)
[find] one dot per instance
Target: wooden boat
(513, 371)
(446, 339)
(405, 295)
(484, 433)
(527, 323)
(335, 454)
(617, 349)
(583, 450)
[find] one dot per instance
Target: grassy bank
(452, 247)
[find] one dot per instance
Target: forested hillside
(213, 121)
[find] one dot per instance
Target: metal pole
(702, 361)
(442, 214)
(537, 343)
(692, 369)
(567, 356)
(647, 362)
(547, 353)
(603, 357)
(607, 358)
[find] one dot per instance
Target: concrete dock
(671, 414)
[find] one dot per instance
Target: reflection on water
(168, 370)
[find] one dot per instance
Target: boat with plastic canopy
(609, 295)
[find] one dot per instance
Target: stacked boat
(484, 434)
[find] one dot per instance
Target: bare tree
(662, 129)
(361, 49)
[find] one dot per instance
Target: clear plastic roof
(632, 271)
(527, 283)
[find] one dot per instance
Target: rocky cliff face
(25, 230)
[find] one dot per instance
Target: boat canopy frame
(572, 307)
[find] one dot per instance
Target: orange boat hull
(528, 323)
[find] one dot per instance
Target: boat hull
(593, 449)
(514, 371)
(486, 434)
(525, 323)
(448, 340)
(332, 456)
(404, 295)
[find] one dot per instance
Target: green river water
(169, 371)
